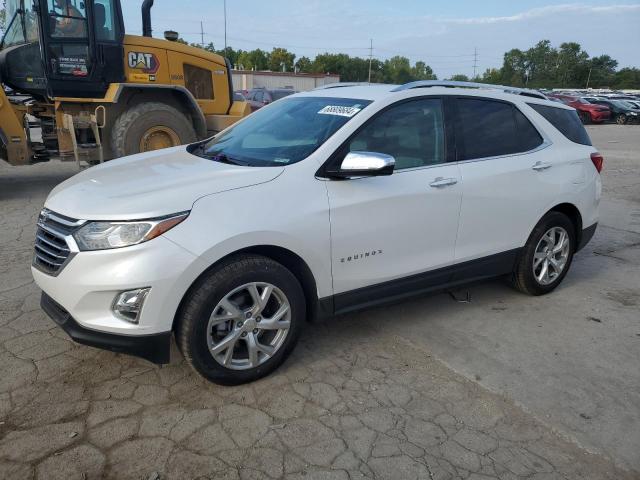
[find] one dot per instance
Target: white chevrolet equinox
(319, 204)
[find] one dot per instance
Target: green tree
(627, 78)
(281, 59)
(397, 70)
(422, 71)
(602, 71)
(492, 75)
(254, 60)
(304, 65)
(459, 77)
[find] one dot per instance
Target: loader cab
(63, 48)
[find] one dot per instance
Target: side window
(258, 95)
(412, 132)
(104, 20)
(485, 128)
(67, 18)
(528, 137)
(198, 81)
(566, 121)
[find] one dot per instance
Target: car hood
(149, 185)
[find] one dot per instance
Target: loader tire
(150, 126)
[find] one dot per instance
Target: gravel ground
(430, 389)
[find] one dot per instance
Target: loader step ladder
(84, 150)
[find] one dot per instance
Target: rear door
(389, 227)
(507, 175)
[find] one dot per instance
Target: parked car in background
(238, 96)
(259, 97)
(622, 112)
(587, 111)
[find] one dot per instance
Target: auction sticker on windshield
(340, 110)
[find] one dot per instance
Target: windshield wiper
(223, 158)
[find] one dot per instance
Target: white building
(248, 79)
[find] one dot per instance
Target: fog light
(128, 305)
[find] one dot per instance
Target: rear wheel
(547, 255)
(150, 126)
(621, 119)
(242, 320)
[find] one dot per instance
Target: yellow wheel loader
(68, 67)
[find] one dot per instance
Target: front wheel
(546, 256)
(621, 119)
(242, 320)
(150, 126)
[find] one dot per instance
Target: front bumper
(155, 347)
(89, 283)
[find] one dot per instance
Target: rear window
(488, 128)
(566, 121)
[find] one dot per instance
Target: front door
(390, 227)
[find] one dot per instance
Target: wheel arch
(174, 95)
(290, 260)
(573, 213)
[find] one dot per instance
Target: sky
(444, 34)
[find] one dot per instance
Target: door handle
(443, 182)
(539, 166)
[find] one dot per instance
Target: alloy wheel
(551, 255)
(248, 326)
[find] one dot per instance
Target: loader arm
(12, 132)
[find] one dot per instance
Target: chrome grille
(52, 250)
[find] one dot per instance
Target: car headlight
(105, 235)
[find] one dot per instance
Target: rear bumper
(154, 348)
(586, 236)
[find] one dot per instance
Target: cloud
(546, 11)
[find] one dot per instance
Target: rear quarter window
(565, 121)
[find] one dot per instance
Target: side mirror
(364, 164)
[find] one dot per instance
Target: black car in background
(259, 97)
(621, 111)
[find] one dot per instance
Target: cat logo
(147, 62)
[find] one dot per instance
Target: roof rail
(340, 85)
(453, 84)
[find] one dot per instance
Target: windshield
(283, 133)
(22, 26)
(621, 104)
(627, 104)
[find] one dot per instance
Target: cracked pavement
(360, 397)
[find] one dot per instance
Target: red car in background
(588, 112)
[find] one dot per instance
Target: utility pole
(370, 58)
(475, 61)
(225, 27)
(201, 34)
(589, 76)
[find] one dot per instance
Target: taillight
(598, 161)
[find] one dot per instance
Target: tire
(621, 119)
(136, 125)
(585, 117)
(524, 276)
(205, 299)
